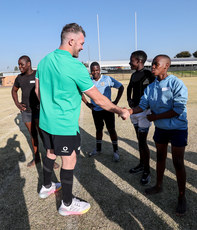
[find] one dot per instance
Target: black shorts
(62, 145)
(30, 116)
(177, 138)
(101, 116)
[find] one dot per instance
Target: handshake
(125, 113)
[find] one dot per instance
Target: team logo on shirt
(146, 82)
(65, 149)
(102, 83)
(165, 89)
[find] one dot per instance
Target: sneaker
(138, 169)
(116, 156)
(146, 178)
(45, 192)
(94, 153)
(77, 207)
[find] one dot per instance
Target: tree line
(186, 54)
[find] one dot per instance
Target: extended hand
(22, 107)
(125, 114)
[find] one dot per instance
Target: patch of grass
(184, 73)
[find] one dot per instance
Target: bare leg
(161, 164)
(56, 165)
(178, 161)
(31, 126)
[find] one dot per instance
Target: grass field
(185, 73)
(117, 199)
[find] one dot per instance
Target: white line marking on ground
(157, 210)
(171, 175)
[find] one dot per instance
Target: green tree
(183, 54)
(15, 68)
(195, 54)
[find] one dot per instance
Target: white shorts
(140, 120)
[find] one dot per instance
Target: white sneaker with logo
(45, 192)
(77, 207)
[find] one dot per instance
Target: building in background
(8, 78)
(177, 64)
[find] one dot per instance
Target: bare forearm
(15, 96)
(102, 101)
(119, 95)
(106, 104)
(168, 114)
(37, 89)
(19, 105)
(135, 110)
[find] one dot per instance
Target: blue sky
(33, 28)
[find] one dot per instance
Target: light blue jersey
(165, 95)
(104, 85)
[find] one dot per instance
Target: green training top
(62, 79)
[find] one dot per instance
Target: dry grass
(117, 198)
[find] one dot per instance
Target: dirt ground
(117, 199)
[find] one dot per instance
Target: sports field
(117, 199)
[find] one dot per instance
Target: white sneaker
(116, 156)
(77, 207)
(45, 192)
(94, 153)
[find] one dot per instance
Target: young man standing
(29, 106)
(60, 81)
(167, 98)
(140, 79)
(104, 84)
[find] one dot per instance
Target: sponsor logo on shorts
(65, 149)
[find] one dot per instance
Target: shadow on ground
(13, 210)
(23, 129)
(119, 206)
